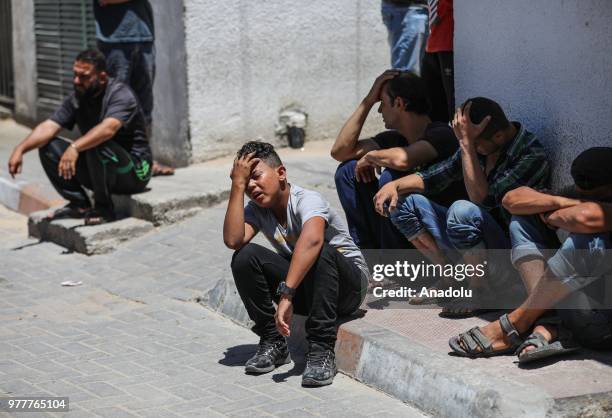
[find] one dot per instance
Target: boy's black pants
(105, 169)
(332, 288)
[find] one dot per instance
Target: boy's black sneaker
(269, 355)
(320, 367)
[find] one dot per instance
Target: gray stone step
(75, 236)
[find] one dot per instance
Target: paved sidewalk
(117, 353)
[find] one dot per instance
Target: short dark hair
(412, 89)
(592, 169)
(93, 56)
(483, 107)
(263, 150)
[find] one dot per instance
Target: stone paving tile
(123, 345)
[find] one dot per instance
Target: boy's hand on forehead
(242, 168)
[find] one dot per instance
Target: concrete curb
(73, 235)
(431, 381)
(25, 197)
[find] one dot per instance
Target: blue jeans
(133, 64)
(579, 262)
(368, 229)
(407, 29)
(463, 226)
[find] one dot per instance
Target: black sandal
(70, 211)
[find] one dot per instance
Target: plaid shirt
(523, 162)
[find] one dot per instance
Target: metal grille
(6, 53)
(62, 29)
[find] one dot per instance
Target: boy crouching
(317, 271)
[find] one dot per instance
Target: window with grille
(62, 29)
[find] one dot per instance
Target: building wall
(170, 139)
(248, 59)
(24, 60)
(547, 63)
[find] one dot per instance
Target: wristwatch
(283, 289)
(73, 146)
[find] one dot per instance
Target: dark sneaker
(320, 368)
(269, 355)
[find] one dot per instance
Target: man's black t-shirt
(441, 136)
(119, 102)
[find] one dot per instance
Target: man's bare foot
(160, 169)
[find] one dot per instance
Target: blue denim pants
(462, 226)
(133, 64)
(407, 29)
(582, 263)
(368, 229)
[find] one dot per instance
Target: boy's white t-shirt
(304, 204)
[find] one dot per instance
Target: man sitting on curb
(318, 270)
(111, 156)
(414, 142)
(572, 279)
(494, 156)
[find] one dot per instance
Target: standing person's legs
(143, 76)
(430, 72)
(356, 200)
(409, 48)
(393, 17)
(119, 62)
(71, 190)
(447, 74)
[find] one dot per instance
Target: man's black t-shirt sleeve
(442, 138)
(122, 105)
(65, 115)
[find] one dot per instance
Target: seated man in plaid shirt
(494, 157)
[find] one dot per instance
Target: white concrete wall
(247, 59)
(24, 60)
(548, 63)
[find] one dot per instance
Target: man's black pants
(333, 287)
(437, 70)
(105, 169)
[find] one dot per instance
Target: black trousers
(333, 287)
(438, 73)
(105, 169)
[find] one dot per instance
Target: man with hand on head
(494, 157)
(111, 156)
(412, 142)
(316, 270)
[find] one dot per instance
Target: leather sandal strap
(511, 332)
(476, 341)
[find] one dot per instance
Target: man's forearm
(346, 141)
(475, 180)
(527, 201)
(412, 183)
(233, 225)
(394, 158)
(100, 133)
(584, 218)
(40, 136)
(304, 256)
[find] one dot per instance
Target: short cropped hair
(93, 56)
(483, 107)
(412, 89)
(263, 150)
